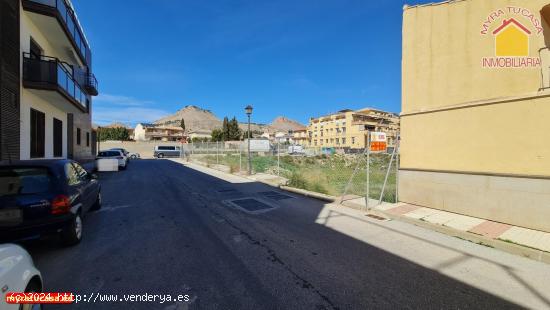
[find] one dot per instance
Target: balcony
(48, 73)
(90, 84)
(62, 11)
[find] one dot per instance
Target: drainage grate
(250, 205)
(275, 195)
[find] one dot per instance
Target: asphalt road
(164, 229)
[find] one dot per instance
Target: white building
(46, 82)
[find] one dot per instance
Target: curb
(307, 193)
(515, 249)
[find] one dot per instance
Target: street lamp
(248, 111)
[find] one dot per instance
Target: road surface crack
(306, 284)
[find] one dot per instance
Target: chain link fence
(328, 171)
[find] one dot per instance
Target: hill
(284, 124)
(197, 118)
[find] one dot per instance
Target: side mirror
(93, 176)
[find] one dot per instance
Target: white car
(114, 154)
(17, 275)
(125, 153)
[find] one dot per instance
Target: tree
(217, 135)
(225, 129)
(115, 134)
(234, 130)
(182, 124)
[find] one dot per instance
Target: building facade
(199, 134)
(476, 109)
(46, 82)
(348, 128)
(300, 137)
(152, 132)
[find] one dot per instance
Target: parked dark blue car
(39, 197)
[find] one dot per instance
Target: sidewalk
(513, 239)
(517, 240)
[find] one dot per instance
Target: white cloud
(108, 108)
(126, 115)
(121, 100)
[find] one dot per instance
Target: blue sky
(293, 58)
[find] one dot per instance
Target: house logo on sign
(511, 29)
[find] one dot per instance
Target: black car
(39, 197)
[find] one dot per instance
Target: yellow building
(348, 128)
(475, 119)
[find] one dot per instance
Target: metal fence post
(240, 158)
(397, 145)
(368, 171)
(278, 159)
(387, 175)
(217, 152)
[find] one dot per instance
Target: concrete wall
(84, 122)
(519, 201)
(500, 138)
(144, 148)
(473, 137)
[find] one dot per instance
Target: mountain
(284, 124)
(197, 118)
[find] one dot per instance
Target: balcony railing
(91, 84)
(71, 22)
(51, 73)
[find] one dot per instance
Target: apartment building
(46, 82)
(476, 109)
(153, 132)
(300, 137)
(348, 128)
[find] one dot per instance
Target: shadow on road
(340, 271)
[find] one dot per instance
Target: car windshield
(24, 180)
(108, 154)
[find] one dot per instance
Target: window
(72, 175)
(166, 148)
(87, 139)
(57, 138)
(38, 133)
(343, 140)
(344, 129)
(78, 136)
(352, 140)
(109, 154)
(80, 172)
(24, 180)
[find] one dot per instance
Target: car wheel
(32, 287)
(97, 204)
(160, 155)
(72, 234)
